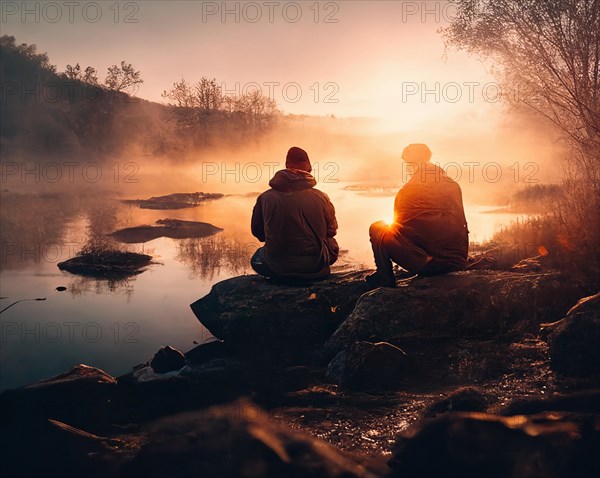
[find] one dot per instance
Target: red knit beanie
(297, 158)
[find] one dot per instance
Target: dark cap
(297, 158)
(416, 153)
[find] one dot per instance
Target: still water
(115, 325)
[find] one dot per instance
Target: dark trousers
(391, 245)
(258, 264)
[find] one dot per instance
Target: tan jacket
(428, 210)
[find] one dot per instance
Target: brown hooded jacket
(297, 224)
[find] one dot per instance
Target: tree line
(105, 117)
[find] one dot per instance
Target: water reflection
(81, 285)
(101, 222)
(211, 256)
(38, 231)
(33, 228)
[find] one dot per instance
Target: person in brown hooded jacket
(429, 235)
(296, 222)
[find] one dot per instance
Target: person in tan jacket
(429, 234)
(297, 224)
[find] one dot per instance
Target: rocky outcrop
(575, 340)
(263, 320)
(456, 327)
(369, 365)
(79, 396)
(460, 327)
(474, 304)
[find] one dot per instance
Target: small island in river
(175, 201)
(173, 228)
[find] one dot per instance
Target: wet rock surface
(201, 444)
(551, 444)
(173, 228)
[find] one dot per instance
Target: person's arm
(398, 207)
(330, 219)
(257, 223)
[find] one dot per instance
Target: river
(115, 325)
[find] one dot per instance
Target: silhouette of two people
(298, 226)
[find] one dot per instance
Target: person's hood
(288, 180)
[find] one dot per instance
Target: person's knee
(377, 229)
(258, 264)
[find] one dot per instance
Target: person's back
(429, 234)
(429, 211)
(296, 222)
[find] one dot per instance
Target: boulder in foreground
(239, 439)
(473, 445)
(575, 340)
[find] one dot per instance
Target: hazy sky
(347, 58)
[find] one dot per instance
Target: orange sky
(347, 58)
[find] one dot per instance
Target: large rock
(81, 396)
(264, 320)
(459, 327)
(474, 304)
(234, 441)
(474, 445)
(167, 359)
(30, 444)
(368, 366)
(575, 340)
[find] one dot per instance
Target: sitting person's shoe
(378, 279)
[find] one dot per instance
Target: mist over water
(51, 207)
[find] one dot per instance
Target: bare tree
(548, 52)
(204, 95)
(207, 95)
(256, 110)
(123, 78)
(75, 73)
(90, 76)
(180, 95)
